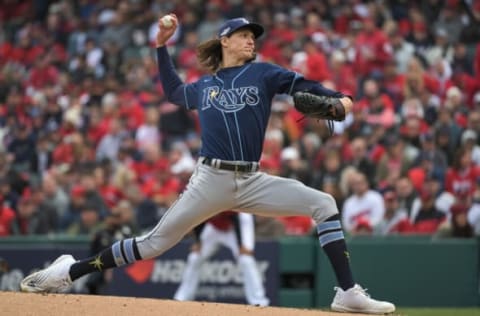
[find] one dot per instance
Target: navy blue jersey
(234, 104)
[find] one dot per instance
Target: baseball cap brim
(257, 29)
(234, 25)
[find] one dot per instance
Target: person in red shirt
(393, 83)
(131, 110)
(110, 194)
(378, 106)
(280, 35)
(469, 85)
(429, 218)
(163, 188)
(7, 217)
(43, 73)
(316, 67)
(152, 160)
(25, 51)
(373, 49)
(393, 163)
(346, 19)
(342, 73)
(97, 128)
(187, 58)
(461, 177)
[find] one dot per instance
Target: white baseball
(167, 21)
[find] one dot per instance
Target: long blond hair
(209, 55)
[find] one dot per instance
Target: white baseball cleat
(356, 300)
(55, 278)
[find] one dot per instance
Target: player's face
(241, 45)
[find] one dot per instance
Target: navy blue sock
(331, 239)
(120, 253)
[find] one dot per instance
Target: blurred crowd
(88, 141)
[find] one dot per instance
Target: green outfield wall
(410, 271)
(413, 271)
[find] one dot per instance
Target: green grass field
(438, 312)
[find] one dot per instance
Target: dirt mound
(15, 303)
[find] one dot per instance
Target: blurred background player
(235, 231)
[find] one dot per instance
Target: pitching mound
(15, 303)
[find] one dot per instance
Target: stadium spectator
(110, 143)
(473, 121)
(360, 159)
(429, 151)
(378, 106)
(458, 226)
(22, 148)
(473, 214)
(364, 206)
(147, 213)
(406, 193)
(441, 49)
(88, 221)
(395, 220)
(403, 50)
(393, 163)
(55, 197)
(372, 49)
(7, 218)
(393, 83)
(34, 216)
(461, 176)
(110, 193)
(342, 73)
(293, 166)
(41, 160)
(428, 218)
(469, 140)
(330, 169)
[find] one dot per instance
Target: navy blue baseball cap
(233, 25)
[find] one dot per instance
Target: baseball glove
(319, 107)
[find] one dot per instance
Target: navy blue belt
(237, 166)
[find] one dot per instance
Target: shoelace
(362, 291)
(356, 289)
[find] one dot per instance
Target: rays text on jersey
(230, 100)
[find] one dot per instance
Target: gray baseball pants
(211, 191)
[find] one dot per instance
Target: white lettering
(167, 271)
(230, 100)
(215, 272)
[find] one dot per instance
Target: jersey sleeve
(281, 80)
(175, 90)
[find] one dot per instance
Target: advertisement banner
(220, 278)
